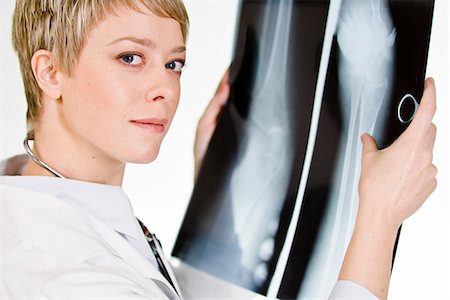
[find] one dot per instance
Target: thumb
(224, 83)
(222, 92)
(369, 143)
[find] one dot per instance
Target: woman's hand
(397, 180)
(394, 183)
(208, 121)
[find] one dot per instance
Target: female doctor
(102, 80)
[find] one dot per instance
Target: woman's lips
(154, 125)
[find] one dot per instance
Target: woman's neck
(74, 163)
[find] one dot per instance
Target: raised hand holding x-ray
(394, 183)
(209, 119)
(402, 176)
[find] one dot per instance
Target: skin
(85, 131)
(87, 118)
(208, 121)
(394, 183)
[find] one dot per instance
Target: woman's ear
(46, 73)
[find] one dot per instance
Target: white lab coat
(51, 249)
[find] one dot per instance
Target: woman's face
(123, 93)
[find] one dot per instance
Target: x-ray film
(275, 201)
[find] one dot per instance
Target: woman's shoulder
(50, 247)
(49, 225)
(13, 165)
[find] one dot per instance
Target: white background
(160, 191)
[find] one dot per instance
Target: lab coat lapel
(168, 267)
(131, 256)
(32, 217)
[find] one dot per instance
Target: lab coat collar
(92, 197)
(108, 203)
(32, 217)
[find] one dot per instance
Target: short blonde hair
(61, 26)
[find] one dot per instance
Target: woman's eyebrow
(180, 49)
(146, 43)
(141, 41)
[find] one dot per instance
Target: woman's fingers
(425, 113)
(209, 119)
(402, 176)
(430, 182)
(212, 111)
(224, 81)
(430, 137)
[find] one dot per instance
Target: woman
(102, 85)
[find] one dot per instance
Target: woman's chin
(143, 158)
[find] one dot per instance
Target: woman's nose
(161, 85)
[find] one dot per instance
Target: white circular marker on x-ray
(401, 105)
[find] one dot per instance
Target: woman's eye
(131, 59)
(176, 65)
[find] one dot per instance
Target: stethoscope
(153, 242)
(30, 153)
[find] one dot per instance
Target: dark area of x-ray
(275, 201)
